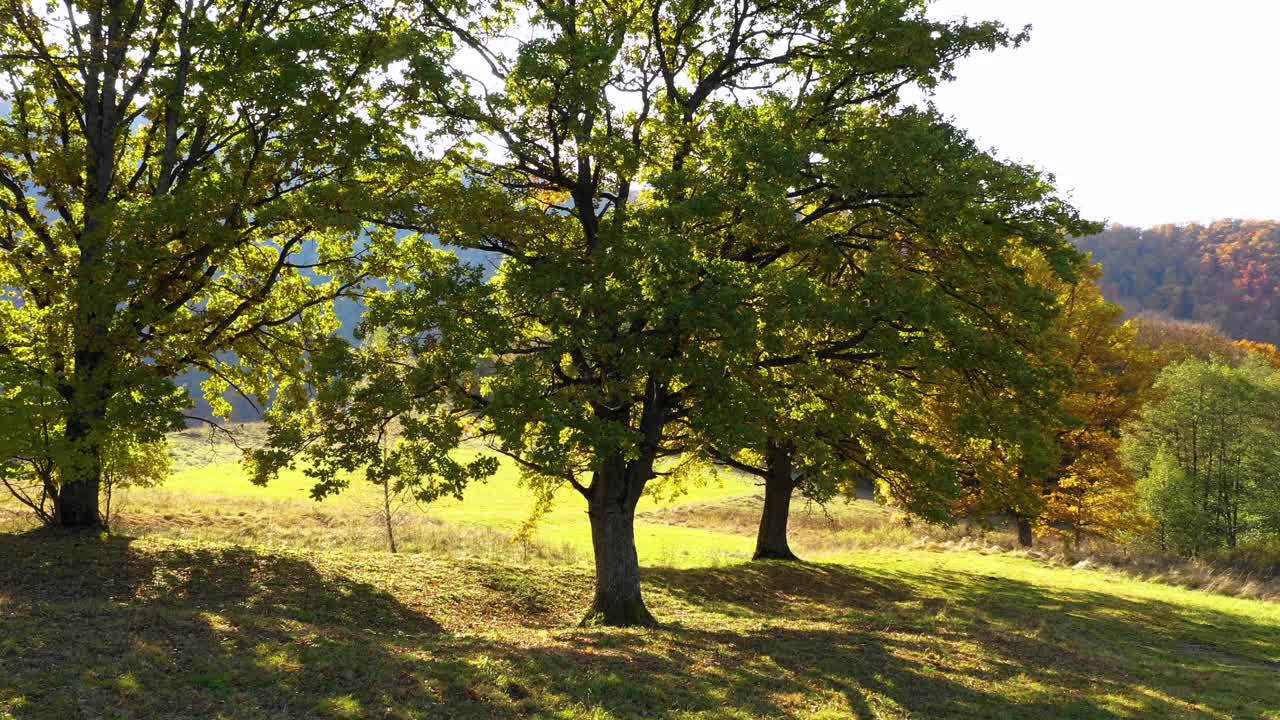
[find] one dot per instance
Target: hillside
(1226, 273)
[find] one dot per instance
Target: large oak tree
(181, 183)
(684, 197)
(649, 171)
(926, 303)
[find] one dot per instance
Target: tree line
(1226, 273)
(720, 237)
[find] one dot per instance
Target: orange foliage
(1226, 273)
(1091, 491)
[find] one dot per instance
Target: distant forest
(1226, 273)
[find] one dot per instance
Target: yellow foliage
(1092, 491)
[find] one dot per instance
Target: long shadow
(52, 565)
(95, 628)
(772, 587)
(954, 645)
(89, 627)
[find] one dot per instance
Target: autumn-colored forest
(1226, 273)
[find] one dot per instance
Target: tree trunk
(87, 396)
(77, 505)
(388, 516)
(1026, 536)
(612, 509)
(771, 540)
(87, 392)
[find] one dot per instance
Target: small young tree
(129, 464)
(392, 408)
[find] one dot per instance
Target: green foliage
(130, 464)
(693, 202)
(1170, 496)
(1207, 452)
(386, 408)
(915, 337)
(181, 186)
(127, 462)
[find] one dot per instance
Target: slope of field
(220, 599)
(157, 628)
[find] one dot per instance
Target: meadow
(216, 598)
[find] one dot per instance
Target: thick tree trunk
(771, 540)
(618, 601)
(1026, 535)
(88, 391)
(87, 396)
(77, 505)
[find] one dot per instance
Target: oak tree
(181, 186)
(648, 173)
(925, 302)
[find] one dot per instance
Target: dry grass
(297, 524)
(821, 530)
(282, 520)
(1255, 578)
(1219, 575)
(201, 446)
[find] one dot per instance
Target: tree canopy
(1226, 273)
(1206, 454)
(690, 200)
(181, 186)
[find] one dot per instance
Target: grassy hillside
(153, 628)
(225, 600)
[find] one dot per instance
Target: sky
(1146, 111)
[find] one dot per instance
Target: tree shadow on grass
(54, 565)
(91, 627)
(775, 587)
(873, 644)
(99, 628)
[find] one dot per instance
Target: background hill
(1226, 273)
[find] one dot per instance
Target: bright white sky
(1147, 111)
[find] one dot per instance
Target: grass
(210, 498)
(156, 628)
(219, 599)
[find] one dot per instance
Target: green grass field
(704, 523)
(219, 599)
